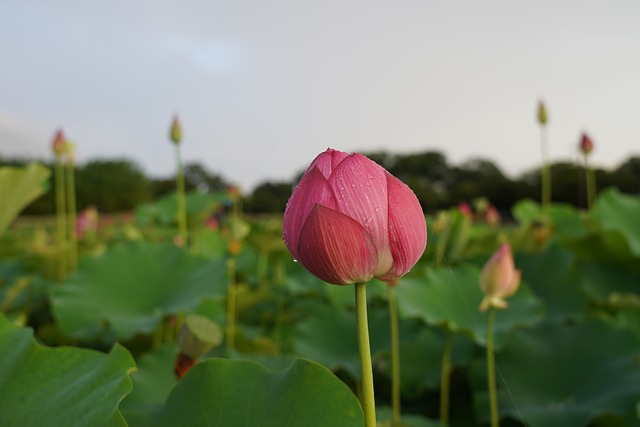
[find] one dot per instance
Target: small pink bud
(465, 209)
(58, 143)
(492, 216)
(586, 144)
(87, 221)
(349, 220)
(499, 279)
(176, 131)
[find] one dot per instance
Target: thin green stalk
(263, 264)
(71, 212)
(61, 221)
(395, 356)
(491, 373)
(231, 304)
(591, 182)
(182, 209)
(445, 379)
(368, 400)
(546, 173)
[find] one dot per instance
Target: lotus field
(188, 312)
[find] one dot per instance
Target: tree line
(118, 185)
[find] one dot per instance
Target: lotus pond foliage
(98, 346)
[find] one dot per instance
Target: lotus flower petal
(360, 187)
(407, 228)
(327, 161)
(312, 189)
(336, 248)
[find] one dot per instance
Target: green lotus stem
(368, 400)
(590, 177)
(491, 366)
(231, 304)
(395, 356)
(182, 209)
(263, 264)
(546, 172)
(445, 379)
(61, 220)
(279, 272)
(71, 211)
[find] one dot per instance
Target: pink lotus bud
(492, 216)
(58, 143)
(542, 113)
(465, 209)
(176, 131)
(349, 220)
(586, 144)
(499, 279)
(87, 222)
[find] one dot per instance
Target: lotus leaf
(62, 386)
(132, 287)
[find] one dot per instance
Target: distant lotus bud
(499, 279)
(492, 216)
(58, 143)
(465, 209)
(176, 131)
(87, 222)
(586, 144)
(542, 113)
(349, 220)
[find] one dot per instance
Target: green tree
(269, 197)
(111, 185)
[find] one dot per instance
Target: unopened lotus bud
(58, 143)
(465, 209)
(542, 113)
(499, 279)
(586, 144)
(198, 336)
(349, 220)
(492, 216)
(176, 131)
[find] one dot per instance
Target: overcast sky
(262, 87)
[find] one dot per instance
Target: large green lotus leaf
(132, 287)
(565, 375)
(19, 186)
(450, 298)
(62, 386)
(212, 244)
(619, 213)
(554, 277)
(329, 336)
(223, 393)
(153, 380)
(601, 280)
